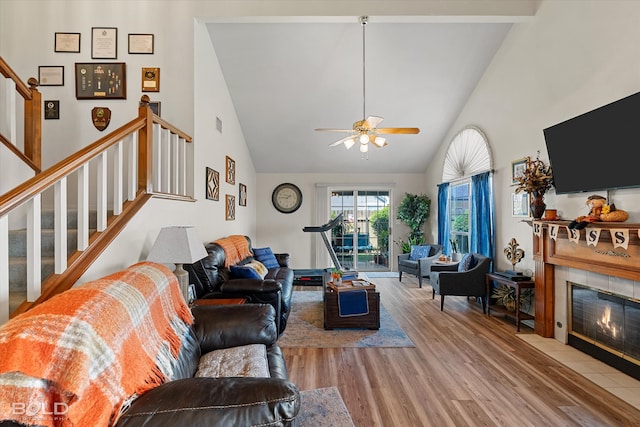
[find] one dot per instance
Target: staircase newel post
(33, 124)
(145, 147)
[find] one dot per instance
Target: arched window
(465, 202)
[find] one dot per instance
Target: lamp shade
(177, 245)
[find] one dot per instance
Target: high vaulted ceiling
(287, 78)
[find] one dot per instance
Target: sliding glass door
(361, 242)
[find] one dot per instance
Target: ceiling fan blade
(343, 140)
(398, 130)
(374, 121)
(333, 130)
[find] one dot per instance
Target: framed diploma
(51, 75)
(101, 80)
(151, 79)
(67, 42)
(141, 44)
(104, 43)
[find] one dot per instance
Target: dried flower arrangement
(536, 178)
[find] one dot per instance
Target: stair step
(18, 242)
(18, 272)
(47, 219)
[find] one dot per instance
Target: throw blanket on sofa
(76, 359)
(236, 248)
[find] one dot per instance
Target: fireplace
(605, 326)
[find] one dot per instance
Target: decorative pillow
(258, 267)
(419, 251)
(467, 262)
(242, 361)
(266, 257)
(244, 272)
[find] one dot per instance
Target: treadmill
(313, 276)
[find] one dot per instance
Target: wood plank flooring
(467, 369)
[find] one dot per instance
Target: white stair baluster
(4, 268)
(83, 207)
(60, 224)
(132, 169)
(117, 178)
(101, 191)
(34, 238)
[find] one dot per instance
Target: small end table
(518, 285)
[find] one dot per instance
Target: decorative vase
(537, 205)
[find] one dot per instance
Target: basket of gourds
(611, 214)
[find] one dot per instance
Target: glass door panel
(361, 242)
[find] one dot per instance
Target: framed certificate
(104, 43)
(141, 44)
(151, 79)
(101, 80)
(67, 42)
(51, 75)
(520, 205)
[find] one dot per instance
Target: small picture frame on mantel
(520, 205)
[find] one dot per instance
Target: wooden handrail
(19, 153)
(46, 179)
(170, 127)
(22, 88)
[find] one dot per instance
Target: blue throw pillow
(266, 256)
(244, 272)
(467, 262)
(419, 251)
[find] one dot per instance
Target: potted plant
(414, 211)
(506, 296)
(455, 253)
(336, 276)
(536, 179)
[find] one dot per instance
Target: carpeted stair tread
(18, 272)
(18, 242)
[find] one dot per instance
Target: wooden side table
(518, 285)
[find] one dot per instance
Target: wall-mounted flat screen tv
(597, 150)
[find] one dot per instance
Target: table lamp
(178, 245)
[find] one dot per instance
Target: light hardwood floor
(467, 369)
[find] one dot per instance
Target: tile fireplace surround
(561, 259)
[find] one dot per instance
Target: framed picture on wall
(67, 42)
(242, 196)
(520, 205)
(141, 44)
(95, 80)
(230, 207)
(231, 170)
(517, 169)
(51, 75)
(104, 43)
(213, 184)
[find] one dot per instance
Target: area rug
(305, 328)
(322, 407)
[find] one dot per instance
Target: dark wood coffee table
(332, 317)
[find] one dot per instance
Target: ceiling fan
(365, 131)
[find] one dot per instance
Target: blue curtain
(482, 216)
(443, 217)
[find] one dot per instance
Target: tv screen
(596, 150)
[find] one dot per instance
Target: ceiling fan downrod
(363, 21)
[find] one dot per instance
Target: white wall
(571, 58)
(283, 232)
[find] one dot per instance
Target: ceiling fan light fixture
(364, 138)
(364, 147)
(349, 143)
(379, 141)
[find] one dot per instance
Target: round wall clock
(287, 198)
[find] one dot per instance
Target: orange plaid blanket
(78, 358)
(236, 248)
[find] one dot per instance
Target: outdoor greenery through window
(362, 240)
(459, 196)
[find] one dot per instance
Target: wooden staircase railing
(32, 154)
(155, 164)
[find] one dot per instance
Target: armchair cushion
(467, 262)
(419, 251)
(266, 257)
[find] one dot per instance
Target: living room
(564, 59)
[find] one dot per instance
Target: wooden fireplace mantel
(603, 258)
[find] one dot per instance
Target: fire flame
(606, 324)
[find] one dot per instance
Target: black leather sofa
(232, 401)
(213, 280)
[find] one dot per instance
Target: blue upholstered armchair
(471, 281)
(418, 266)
